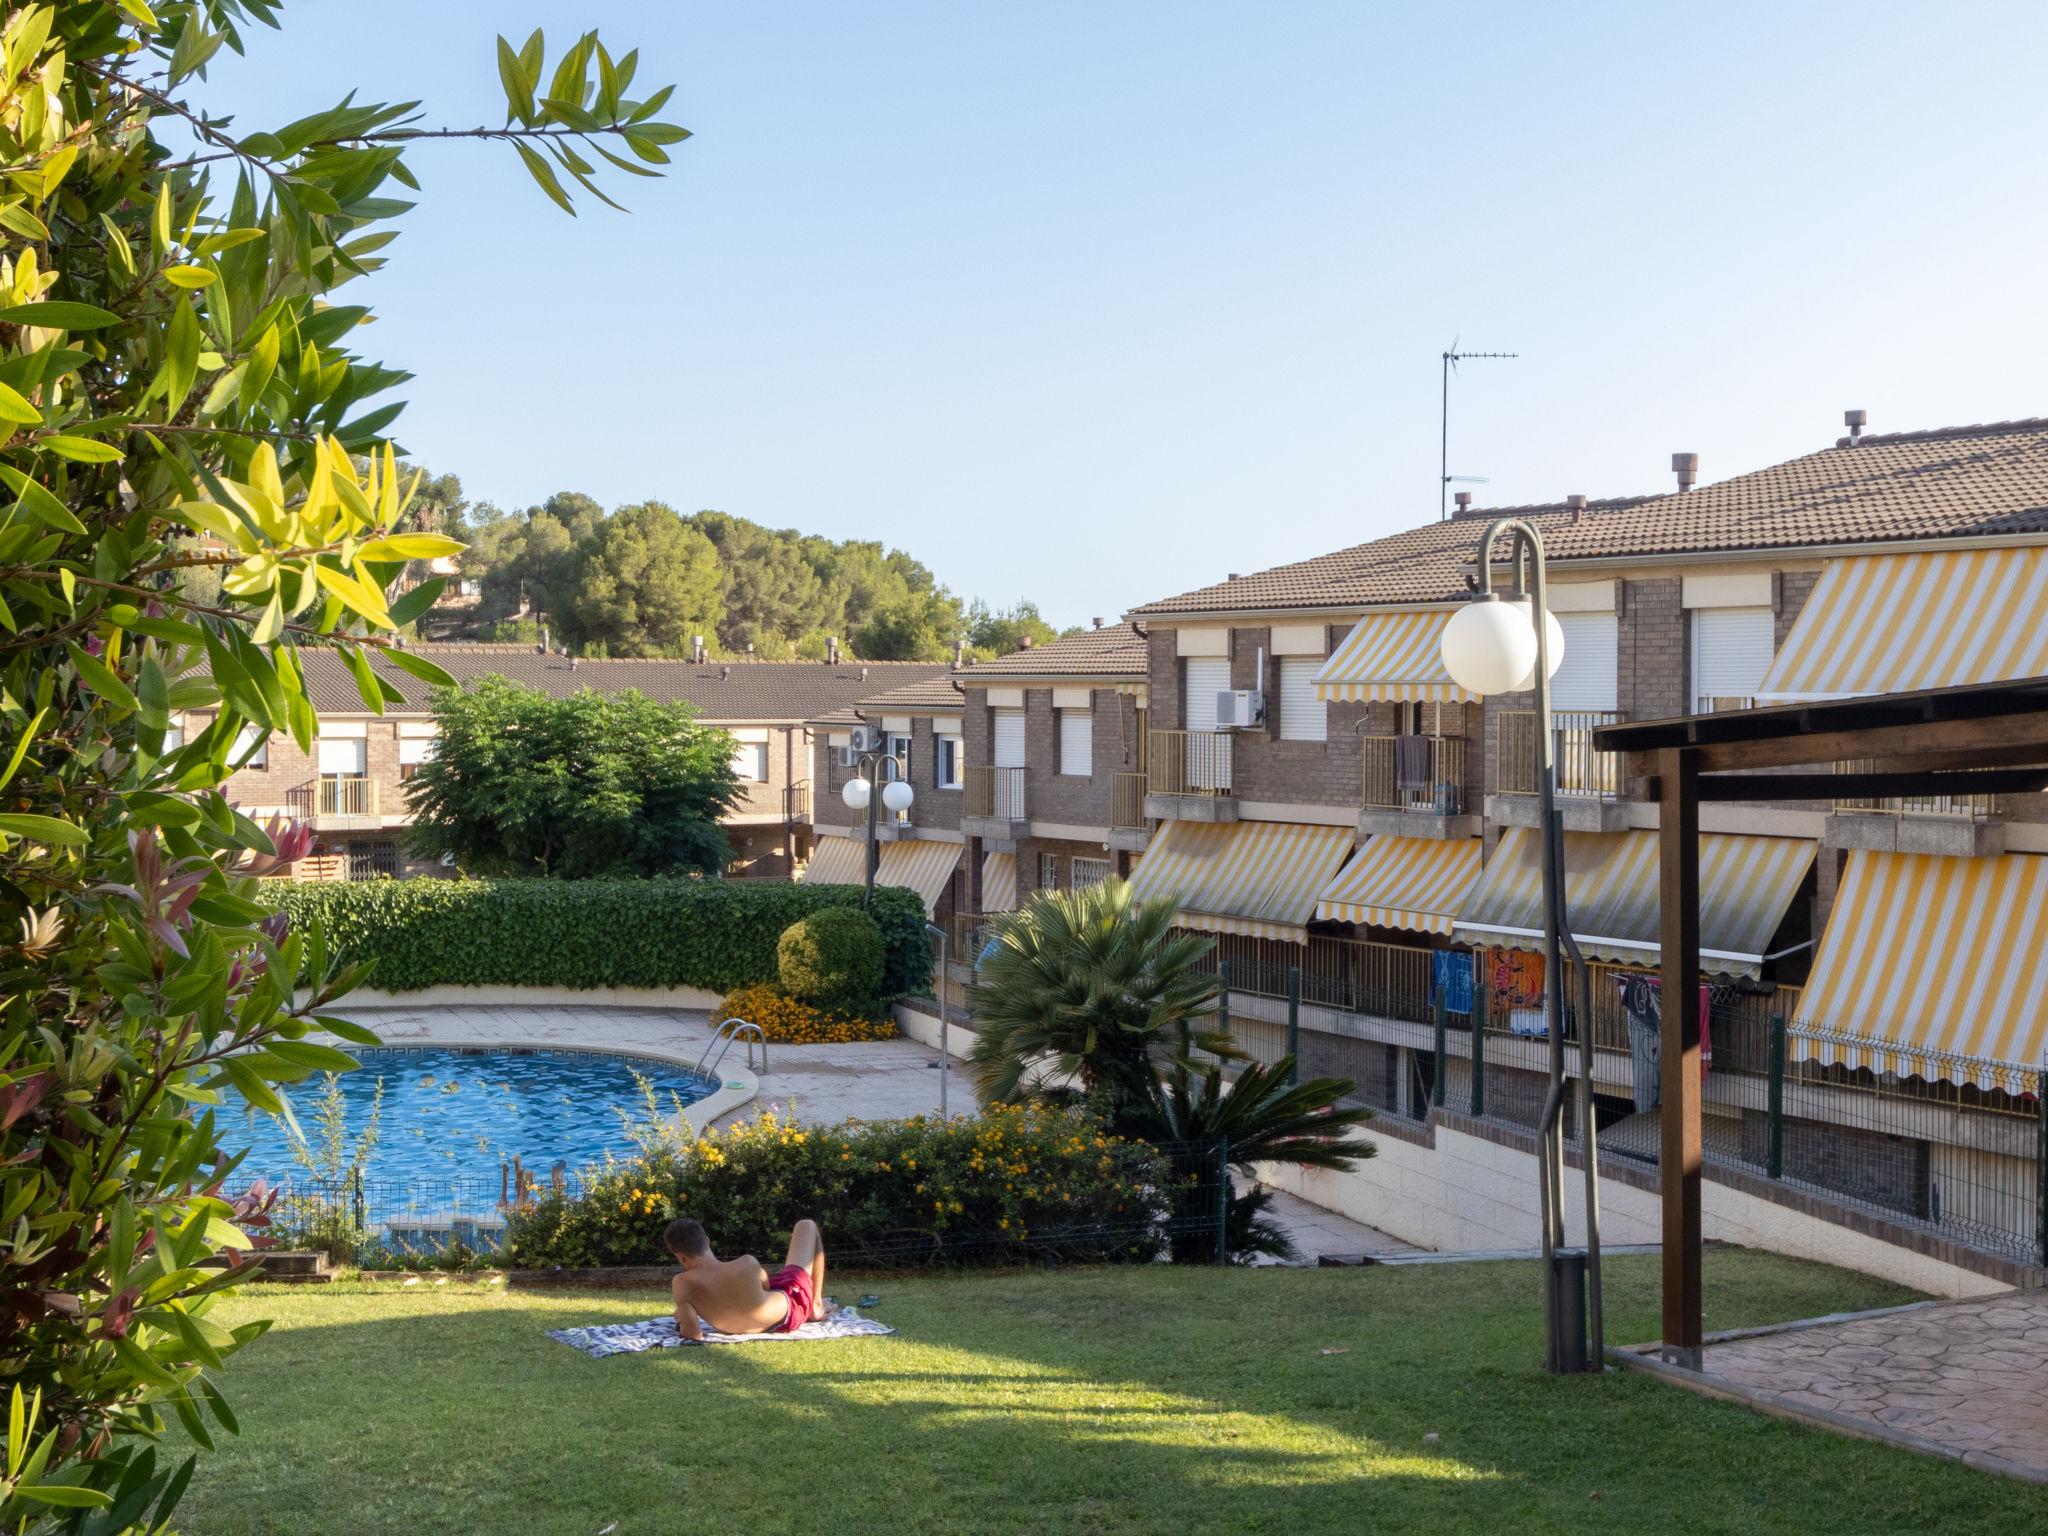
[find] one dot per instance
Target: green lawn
(1156, 1400)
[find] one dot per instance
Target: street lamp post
(861, 794)
(1491, 647)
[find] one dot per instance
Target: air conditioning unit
(866, 738)
(849, 757)
(1239, 709)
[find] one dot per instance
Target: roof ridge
(1938, 434)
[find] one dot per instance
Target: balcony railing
(796, 801)
(1580, 769)
(1188, 762)
(1415, 773)
(1127, 801)
(1954, 807)
(995, 792)
(334, 794)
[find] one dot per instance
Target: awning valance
(999, 882)
(1259, 878)
(1416, 883)
(925, 867)
(1896, 623)
(1391, 656)
(1941, 955)
(837, 861)
(1611, 892)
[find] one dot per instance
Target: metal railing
(1127, 801)
(334, 794)
(1957, 807)
(796, 801)
(1188, 762)
(1434, 780)
(995, 792)
(1580, 769)
(1354, 975)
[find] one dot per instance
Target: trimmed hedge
(714, 934)
(833, 960)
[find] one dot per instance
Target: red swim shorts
(794, 1281)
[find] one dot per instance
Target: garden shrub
(713, 934)
(832, 959)
(1009, 1184)
(793, 1021)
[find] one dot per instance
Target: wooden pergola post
(1678, 832)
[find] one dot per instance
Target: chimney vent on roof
(831, 650)
(1024, 644)
(863, 674)
(1855, 421)
(697, 649)
(1095, 623)
(1577, 506)
(959, 653)
(1234, 576)
(1687, 467)
(1464, 501)
(724, 673)
(750, 647)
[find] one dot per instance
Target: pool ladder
(729, 1031)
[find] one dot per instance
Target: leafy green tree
(521, 783)
(180, 392)
(999, 631)
(921, 627)
(645, 583)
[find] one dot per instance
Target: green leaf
(259, 367)
(101, 678)
(271, 625)
(181, 361)
(64, 1496)
(44, 829)
(186, 276)
(16, 408)
(304, 1053)
(42, 505)
(544, 174)
(21, 746)
(56, 315)
(417, 601)
(419, 667)
(412, 546)
(82, 450)
(518, 86)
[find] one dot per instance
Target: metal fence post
(1223, 992)
(1223, 1200)
(2041, 1165)
(1436, 1092)
(1478, 1047)
(1776, 1163)
(1293, 1025)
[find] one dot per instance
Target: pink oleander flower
(164, 892)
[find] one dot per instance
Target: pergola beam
(2024, 737)
(1880, 785)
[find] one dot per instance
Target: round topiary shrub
(833, 959)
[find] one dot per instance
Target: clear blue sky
(1094, 302)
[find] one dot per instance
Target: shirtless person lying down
(738, 1295)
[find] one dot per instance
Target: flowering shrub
(795, 1022)
(989, 1189)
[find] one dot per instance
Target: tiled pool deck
(818, 1084)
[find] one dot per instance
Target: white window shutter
(1077, 743)
(1589, 676)
(1009, 738)
(345, 755)
(1731, 651)
(1207, 676)
(1303, 716)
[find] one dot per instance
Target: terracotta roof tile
(1115, 650)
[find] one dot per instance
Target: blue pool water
(452, 1120)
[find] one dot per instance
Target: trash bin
(1568, 1273)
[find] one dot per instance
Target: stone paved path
(818, 1084)
(1971, 1375)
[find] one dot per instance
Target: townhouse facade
(351, 786)
(1357, 831)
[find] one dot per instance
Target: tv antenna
(1451, 358)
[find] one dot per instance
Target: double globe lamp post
(1491, 647)
(865, 792)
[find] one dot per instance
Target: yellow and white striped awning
(925, 867)
(1942, 955)
(1611, 895)
(837, 861)
(1416, 883)
(1896, 623)
(1391, 656)
(1259, 878)
(999, 882)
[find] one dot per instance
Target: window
(1207, 676)
(1731, 651)
(251, 748)
(749, 761)
(1077, 743)
(1048, 871)
(369, 861)
(950, 768)
(1303, 716)
(1009, 732)
(174, 734)
(1587, 679)
(1089, 872)
(344, 757)
(899, 751)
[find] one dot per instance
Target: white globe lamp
(1553, 633)
(1489, 646)
(855, 794)
(896, 796)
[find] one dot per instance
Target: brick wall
(1062, 852)
(1653, 642)
(1162, 680)
(1888, 1171)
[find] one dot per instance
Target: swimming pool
(453, 1120)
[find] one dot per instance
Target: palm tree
(1088, 987)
